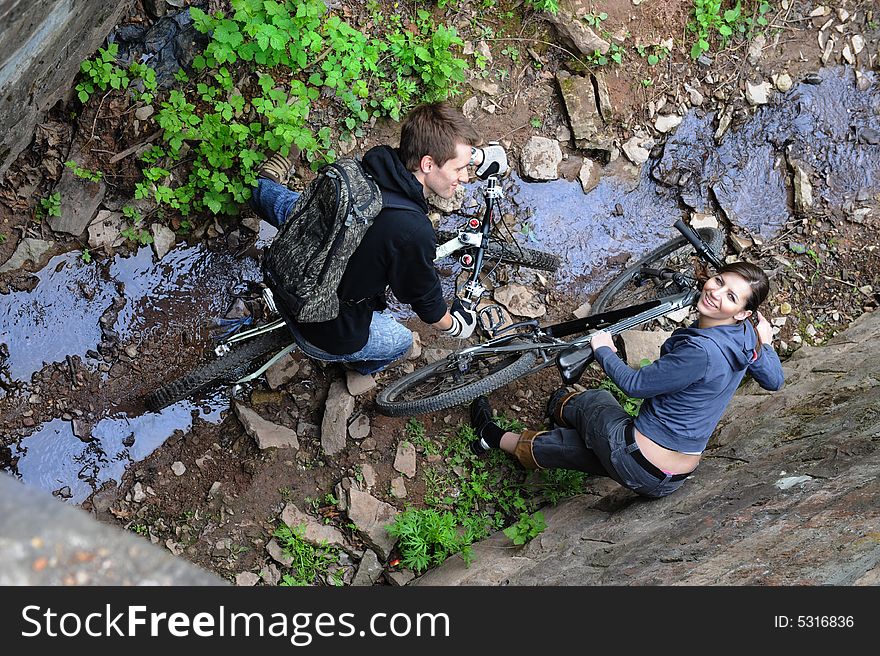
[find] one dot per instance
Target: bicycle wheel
(239, 361)
(512, 253)
(629, 287)
(443, 385)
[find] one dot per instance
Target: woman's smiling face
(724, 298)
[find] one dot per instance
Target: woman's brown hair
(757, 279)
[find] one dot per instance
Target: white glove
(494, 161)
(463, 320)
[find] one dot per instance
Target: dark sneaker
(555, 404)
(481, 414)
(277, 167)
(478, 449)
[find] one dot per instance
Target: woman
(685, 393)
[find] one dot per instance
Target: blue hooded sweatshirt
(688, 388)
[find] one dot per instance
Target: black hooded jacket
(397, 252)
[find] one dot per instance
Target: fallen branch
(128, 151)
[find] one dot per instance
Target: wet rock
(520, 300)
(314, 531)
(540, 158)
(359, 428)
(337, 410)
(358, 383)
(28, 250)
(589, 175)
(666, 122)
(282, 371)
(757, 94)
(782, 82)
(266, 434)
(369, 570)
(405, 459)
(372, 517)
(163, 239)
(63, 493)
(638, 149)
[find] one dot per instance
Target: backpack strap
(397, 201)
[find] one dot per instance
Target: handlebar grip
(572, 362)
(703, 249)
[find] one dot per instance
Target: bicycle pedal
(492, 317)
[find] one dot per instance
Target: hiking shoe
(277, 167)
(481, 414)
(556, 403)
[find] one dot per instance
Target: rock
(484, 86)
(858, 43)
(369, 474)
(643, 345)
(277, 553)
(603, 97)
(369, 569)
(740, 243)
(359, 428)
(405, 459)
(666, 122)
(398, 488)
(313, 531)
(143, 113)
(400, 578)
(540, 158)
(137, 493)
(163, 239)
(415, 350)
(679, 316)
(266, 434)
(757, 94)
(756, 48)
(178, 468)
(696, 98)
(575, 31)
(589, 175)
(372, 517)
(337, 410)
(587, 126)
(358, 383)
(782, 81)
(435, 354)
(803, 189)
(282, 371)
(449, 205)
(470, 107)
(637, 149)
(583, 310)
(270, 574)
(105, 229)
(80, 200)
(699, 220)
(521, 301)
(28, 250)
(246, 579)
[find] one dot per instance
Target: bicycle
(246, 354)
(663, 281)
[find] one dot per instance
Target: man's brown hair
(434, 129)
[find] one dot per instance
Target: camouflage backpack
(304, 264)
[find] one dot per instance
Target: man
(437, 145)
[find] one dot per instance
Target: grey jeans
(596, 444)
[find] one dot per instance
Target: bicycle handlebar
(702, 247)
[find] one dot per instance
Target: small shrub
(528, 527)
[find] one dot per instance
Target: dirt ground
(227, 531)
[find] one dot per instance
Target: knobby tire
(443, 391)
(512, 253)
(242, 359)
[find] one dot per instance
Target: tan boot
(277, 167)
(524, 449)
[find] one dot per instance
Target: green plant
(536, 122)
(84, 173)
(135, 232)
(595, 18)
(814, 255)
(654, 54)
(526, 528)
(630, 405)
(428, 537)
(50, 205)
(140, 529)
(2, 238)
(86, 256)
(511, 52)
(551, 6)
(310, 563)
(709, 20)
(615, 53)
(647, 82)
(101, 73)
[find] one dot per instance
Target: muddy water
(745, 179)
